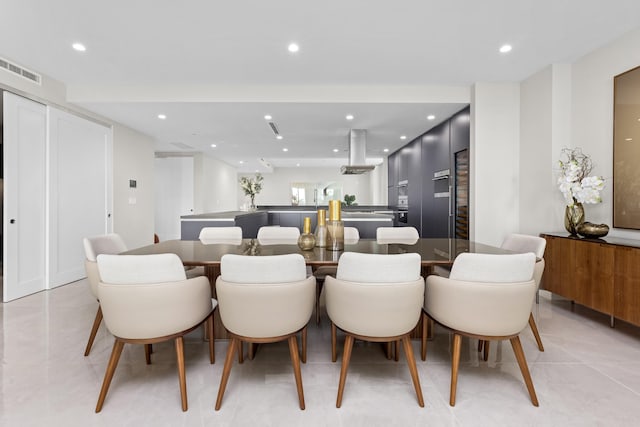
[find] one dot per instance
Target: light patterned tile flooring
(588, 375)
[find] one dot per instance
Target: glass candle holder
(335, 232)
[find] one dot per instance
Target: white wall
(592, 115)
(215, 185)
(133, 158)
(495, 136)
(535, 161)
(276, 188)
(378, 183)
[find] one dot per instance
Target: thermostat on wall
(132, 183)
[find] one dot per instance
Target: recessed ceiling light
(298, 164)
(257, 171)
(267, 117)
(628, 139)
(505, 48)
(241, 162)
(279, 136)
(431, 117)
(349, 117)
(335, 150)
(386, 150)
(213, 145)
(285, 149)
(403, 137)
(293, 48)
(79, 47)
(162, 116)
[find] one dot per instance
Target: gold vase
(573, 217)
(307, 240)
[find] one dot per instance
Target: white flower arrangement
(574, 183)
(251, 186)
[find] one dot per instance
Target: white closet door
(80, 191)
(174, 194)
(24, 196)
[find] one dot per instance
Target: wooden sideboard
(602, 274)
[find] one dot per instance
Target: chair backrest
(403, 235)
(221, 235)
(148, 296)
(93, 246)
(264, 296)
(376, 295)
(487, 295)
(524, 243)
(351, 235)
(270, 235)
(493, 268)
(104, 244)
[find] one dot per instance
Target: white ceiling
(216, 68)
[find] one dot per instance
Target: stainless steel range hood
(357, 154)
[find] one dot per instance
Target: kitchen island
(365, 218)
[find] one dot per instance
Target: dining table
(195, 253)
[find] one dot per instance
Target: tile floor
(589, 375)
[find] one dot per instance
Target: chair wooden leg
(295, 360)
(182, 378)
(212, 342)
(334, 339)
(423, 339)
(485, 355)
(147, 353)
(318, 292)
(411, 362)
(536, 334)
(396, 350)
(388, 350)
(480, 345)
(346, 356)
(522, 361)
(252, 350)
(455, 364)
(303, 355)
(228, 363)
(108, 376)
(240, 345)
(94, 331)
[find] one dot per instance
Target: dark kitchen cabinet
(414, 187)
(392, 164)
(436, 182)
(404, 161)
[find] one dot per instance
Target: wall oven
(403, 202)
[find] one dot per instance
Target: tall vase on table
(335, 227)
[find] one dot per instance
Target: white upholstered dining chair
(276, 235)
(147, 299)
(487, 297)
(402, 235)
(94, 246)
(375, 298)
(221, 235)
(522, 243)
(264, 299)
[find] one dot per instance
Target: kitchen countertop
(359, 215)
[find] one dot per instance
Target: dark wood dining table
(433, 252)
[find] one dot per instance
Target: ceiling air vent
(21, 71)
(182, 145)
